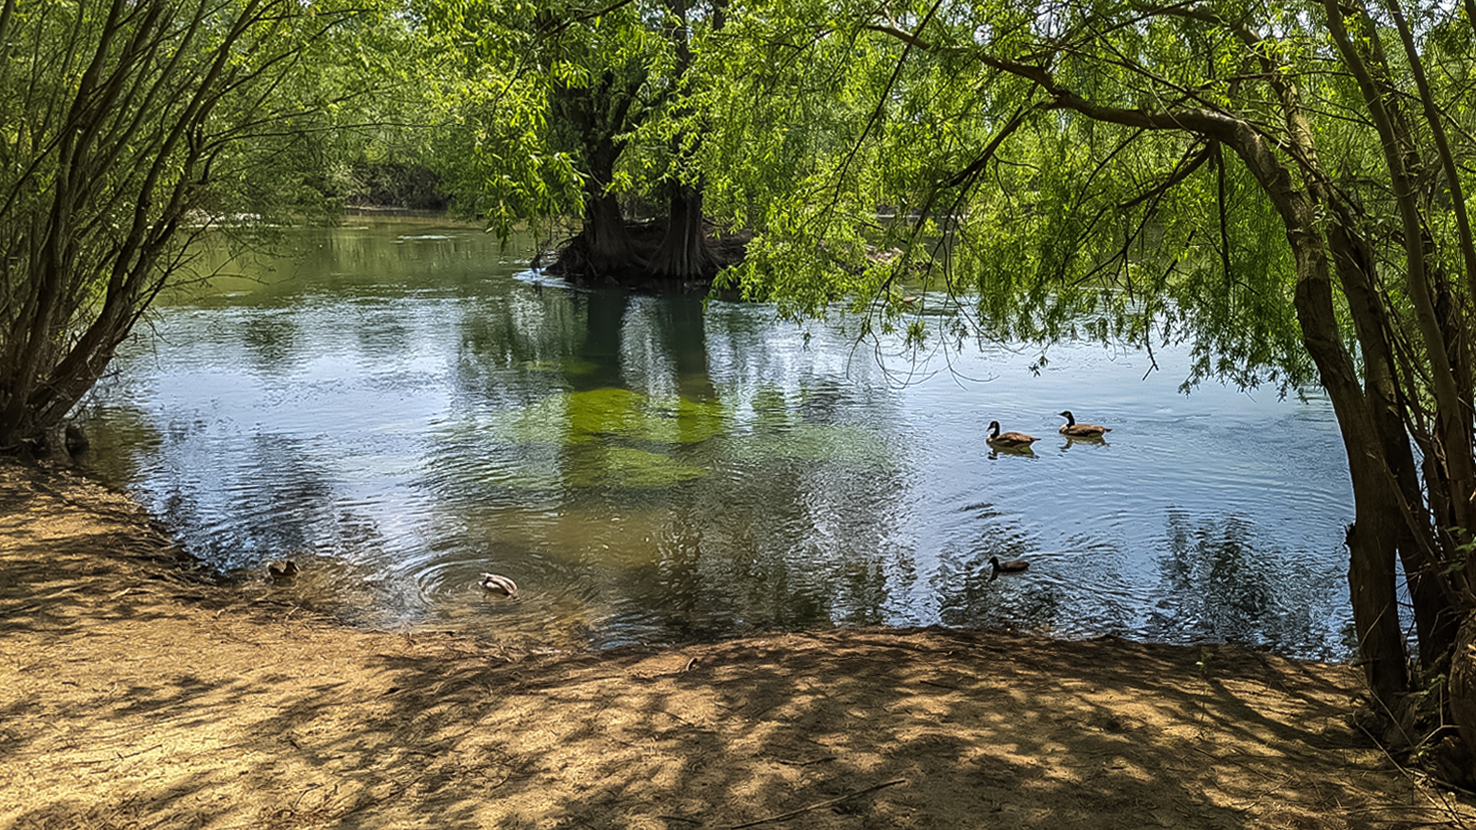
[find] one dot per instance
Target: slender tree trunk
(1374, 537)
(96, 211)
(1439, 587)
(1452, 433)
(1435, 613)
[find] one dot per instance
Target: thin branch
(820, 806)
(1187, 164)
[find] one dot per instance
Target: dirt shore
(135, 695)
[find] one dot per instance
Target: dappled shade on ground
(137, 695)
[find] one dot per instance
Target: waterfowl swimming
(498, 584)
(1075, 430)
(1012, 566)
(1008, 440)
(282, 571)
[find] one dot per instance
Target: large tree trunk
(607, 243)
(684, 253)
(593, 119)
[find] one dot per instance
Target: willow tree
(130, 128)
(1283, 186)
(577, 110)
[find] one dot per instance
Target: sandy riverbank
(136, 696)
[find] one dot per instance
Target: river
(399, 406)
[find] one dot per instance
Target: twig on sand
(821, 805)
(1443, 804)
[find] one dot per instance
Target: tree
(132, 128)
(684, 251)
(1117, 169)
(572, 110)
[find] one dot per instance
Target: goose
(498, 584)
(282, 571)
(1075, 430)
(1008, 440)
(1012, 566)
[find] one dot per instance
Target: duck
(1075, 430)
(1012, 566)
(1008, 440)
(499, 584)
(282, 571)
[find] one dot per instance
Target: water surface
(399, 407)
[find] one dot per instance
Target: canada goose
(1008, 440)
(282, 571)
(497, 584)
(1013, 566)
(1075, 430)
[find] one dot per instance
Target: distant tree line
(388, 184)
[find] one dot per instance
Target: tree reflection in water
(1220, 583)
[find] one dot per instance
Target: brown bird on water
(1012, 566)
(1075, 430)
(1008, 440)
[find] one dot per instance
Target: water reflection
(1221, 583)
(402, 409)
(1069, 441)
(270, 341)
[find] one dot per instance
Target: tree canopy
(578, 109)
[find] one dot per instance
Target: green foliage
(370, 79)
(1038, 223)
(548, 105)
(131, 128)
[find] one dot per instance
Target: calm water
(404, 406)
